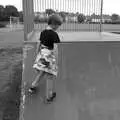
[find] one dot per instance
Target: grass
(10, 82)
(3, 24)
(83, 27)
(77, 27)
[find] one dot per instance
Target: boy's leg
(50, 86)
(35, 83)
(53, 87)
(53, 83)
(40, 74)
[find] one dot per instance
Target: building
(41, 15)
(71, 18)
(106, 18)
(96, 20)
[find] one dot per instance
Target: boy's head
(54, 21)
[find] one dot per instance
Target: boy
(45, 62)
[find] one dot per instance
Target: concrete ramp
(88, 84)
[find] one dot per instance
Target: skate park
(87, 85)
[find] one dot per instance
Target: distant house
(97, 18)
(106, 18)
(41, 15)
(88, 19)
(71, 18)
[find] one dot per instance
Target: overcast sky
(109, 6)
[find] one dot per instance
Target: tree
(1, 8)
(115, 18)
(88, 19)
(49, 11)
(81, 18)
(36, 19)
(1, 12)
(10, 11)
(93, 15)
(63, 15)
(21, 16)
(77, 13)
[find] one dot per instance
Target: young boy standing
(45, 62)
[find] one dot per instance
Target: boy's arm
(38, 47)
(39, 42)
(61, 37)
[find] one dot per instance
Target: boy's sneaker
(50, 99)
(53, 96)
(32, 89)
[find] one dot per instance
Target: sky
(109, 6)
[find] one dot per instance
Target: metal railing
(78, 15)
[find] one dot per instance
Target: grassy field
(10, 74)
(83, 27)
(74, 27)
(11, 37)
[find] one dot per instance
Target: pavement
(87, 85)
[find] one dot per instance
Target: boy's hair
(54, 19)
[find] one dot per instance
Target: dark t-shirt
(48, 38)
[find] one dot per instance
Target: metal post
(101, 14)
(10, 23)
(24, 19)
(28, 14)
(83, 7)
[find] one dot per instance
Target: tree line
(10, 10)
(81, 18)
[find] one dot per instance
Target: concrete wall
(87, 85)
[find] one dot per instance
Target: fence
(78, 15)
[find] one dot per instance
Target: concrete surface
(87, 85)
